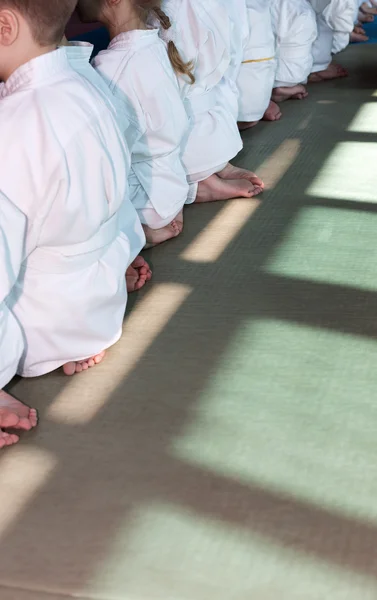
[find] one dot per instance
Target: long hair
(153, 7)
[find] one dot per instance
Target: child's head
(107, 11)
(29, 28)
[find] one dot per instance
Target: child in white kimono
(64, 165)
(257, 73)
(335, 23)
(79, 55)
(158, 122)
(295, 28)
(204, 32)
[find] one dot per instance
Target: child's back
(257, 72)
(64, 164)
(335, 22)
(201, 34)
(138, 71)
(295, 28)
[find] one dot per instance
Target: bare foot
(83, 365)
(359, 34)
(368, 10)
(137, 274)
(179, 219)
(7, 439)
(273, 113)
(215, 188)
(358, 37)
(232, 172)
(297, 92)
(158, 236)
(242, 125)
(15, 414)
(365, 18)
(333, 71)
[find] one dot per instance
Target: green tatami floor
(227, 447)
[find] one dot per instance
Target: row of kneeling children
(98, 160)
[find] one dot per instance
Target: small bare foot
(232, 172)
(15, 414)
(158, 236)
(296, 92)
(358, 37)
(359, 29)
(365, 18)
(215, 188)
(341, 70)
(83, 365)
(333, 71)
(242, 125)
(7, 439)
(137, 274)
(273, 113)
(368, 10)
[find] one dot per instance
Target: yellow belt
(257, 60)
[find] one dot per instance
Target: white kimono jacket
(340, 15)
(257, 73)
(200, 31)
(79, 55)
(335, 23)
(295, 27)
(238, 38)
(137, 70)
(64, 164)
(12, 238)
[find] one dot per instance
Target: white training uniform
(200, 30)
(340, 16)
(335, 23)
(295, 28)
(79, 55)
(64, 164)
(138, 71)
(257, 73)
(12, 238)
(238, 36)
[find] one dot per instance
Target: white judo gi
(12, 238)
(79, 55)
(257, 74)
(64, 164)
(200, 30)
(137, 70)
(295, 27)
(341, 16)
(237, 34)
(335, 23)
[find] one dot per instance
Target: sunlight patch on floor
(366, 119)
(348, 174)
(77, 404)
(212, 242)
(280, 412)
(23, 471)
(278, 164)
(327, 245)
(191, 556)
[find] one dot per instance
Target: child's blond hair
(178, 64)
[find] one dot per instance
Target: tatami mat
(226, 449)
